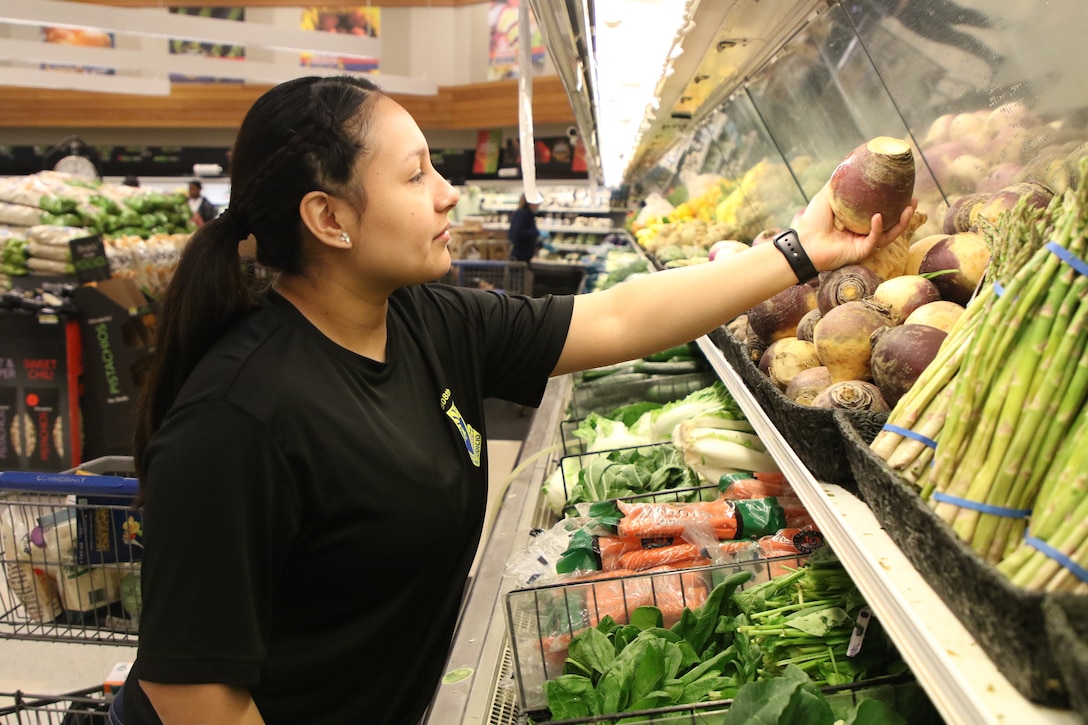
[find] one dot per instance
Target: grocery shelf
(552, 209)
(962, 681)
(572, 228)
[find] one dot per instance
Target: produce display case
(782, 93)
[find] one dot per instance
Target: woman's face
(402, 235)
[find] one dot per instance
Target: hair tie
(237, 228)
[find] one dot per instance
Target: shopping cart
(82, 707)
(70, 548)
(513, 278)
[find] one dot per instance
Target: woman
(523, 233)
(312, 459)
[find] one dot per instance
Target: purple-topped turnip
(876, 177)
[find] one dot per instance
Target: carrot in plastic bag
(746, 488)
(616, 552)
(676, 554)
(672, 519)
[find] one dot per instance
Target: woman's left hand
(829, 247)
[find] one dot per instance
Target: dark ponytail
(303, 135)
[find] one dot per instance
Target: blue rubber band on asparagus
(999, 289)
(908, 433)
(1068, 257)
(985, 508)
(1076, 569)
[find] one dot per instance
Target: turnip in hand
(876, 177)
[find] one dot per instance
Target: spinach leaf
(593, 650)
(571, 696)
(646, 617)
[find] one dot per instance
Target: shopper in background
(525, 238)
(203, 210)
(312, 457)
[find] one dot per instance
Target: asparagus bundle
(995, 407)
(1059, 525)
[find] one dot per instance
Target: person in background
(524, 236)
(203, 210)
(312, 454)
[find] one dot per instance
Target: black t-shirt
(311, 515)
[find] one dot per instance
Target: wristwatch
(790, 246)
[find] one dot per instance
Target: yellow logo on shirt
(473, 440)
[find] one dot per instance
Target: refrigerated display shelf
(963, 683)
(961, 680)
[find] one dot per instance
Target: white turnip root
(790, 357)
(961, 260)
(852, 395)
(904, 294)
(876, 177)
(807, 324)
(845, 284)
(1033, 193)
(941, 314)
(842, 339)
(918, 251)
(962, 214)
(807, 384)
(767, 355)
(777, 317)
(900, 354)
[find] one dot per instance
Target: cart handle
(68, 483)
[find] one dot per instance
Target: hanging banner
(208, 50)
(363, 21)
(487, 151)
(503, 55)
(78, 36)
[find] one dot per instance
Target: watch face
(77, 166)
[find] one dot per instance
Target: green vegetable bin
(541, 621)
(1006, 620)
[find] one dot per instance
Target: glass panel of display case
(766, 194)
(993, 91)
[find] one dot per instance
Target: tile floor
(57, 667)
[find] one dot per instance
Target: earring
(345, 239)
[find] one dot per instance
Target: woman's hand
(831, 248)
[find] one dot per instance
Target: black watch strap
(790, 246)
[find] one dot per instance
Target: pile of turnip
(858, 337)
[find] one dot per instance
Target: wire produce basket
(70, 548)
(605, 397)
(901, 692)
(512, 278)
(541, 621)
(82, 707)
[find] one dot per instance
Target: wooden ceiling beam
(223, 105)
